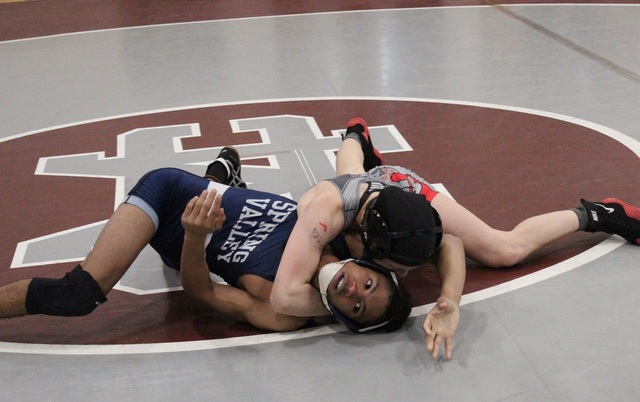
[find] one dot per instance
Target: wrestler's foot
(372, 156)
(226, 168)
(614, 217)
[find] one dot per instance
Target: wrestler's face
(359, 293)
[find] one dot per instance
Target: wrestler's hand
(441, 323)
(203, 214)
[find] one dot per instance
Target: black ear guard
(379, 240)
(351, 324)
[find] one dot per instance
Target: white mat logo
(298, 155)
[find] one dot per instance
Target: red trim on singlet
(425, 189)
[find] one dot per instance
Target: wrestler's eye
(368, 285)
(356, 307)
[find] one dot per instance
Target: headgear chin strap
(326, 275)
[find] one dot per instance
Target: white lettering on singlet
(259, 217)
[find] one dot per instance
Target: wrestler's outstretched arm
(442, 321)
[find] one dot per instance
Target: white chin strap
(325, 276)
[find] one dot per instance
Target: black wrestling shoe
(226, 168)
(614, 217)
(372, 157)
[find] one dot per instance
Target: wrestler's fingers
(217, 202)
(448, 346)
(214, 200)
(429, 340)
(200, 200)
(436, 346)
(426, 326)
(190, 206)
(205, 203)
(219, 220)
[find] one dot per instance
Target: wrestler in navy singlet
(251, 241)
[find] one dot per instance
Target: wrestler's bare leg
(350, 158)
(497, 248)
(124, 236)
(12, 299)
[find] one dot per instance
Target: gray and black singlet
(377, 178)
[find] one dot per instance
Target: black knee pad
(75, 294)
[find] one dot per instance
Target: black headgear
(401, 226)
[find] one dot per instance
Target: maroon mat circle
(503, 165)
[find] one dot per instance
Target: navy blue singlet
(252, 239)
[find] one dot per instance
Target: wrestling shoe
(372, 157)
(614, 217)
(226, 168)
